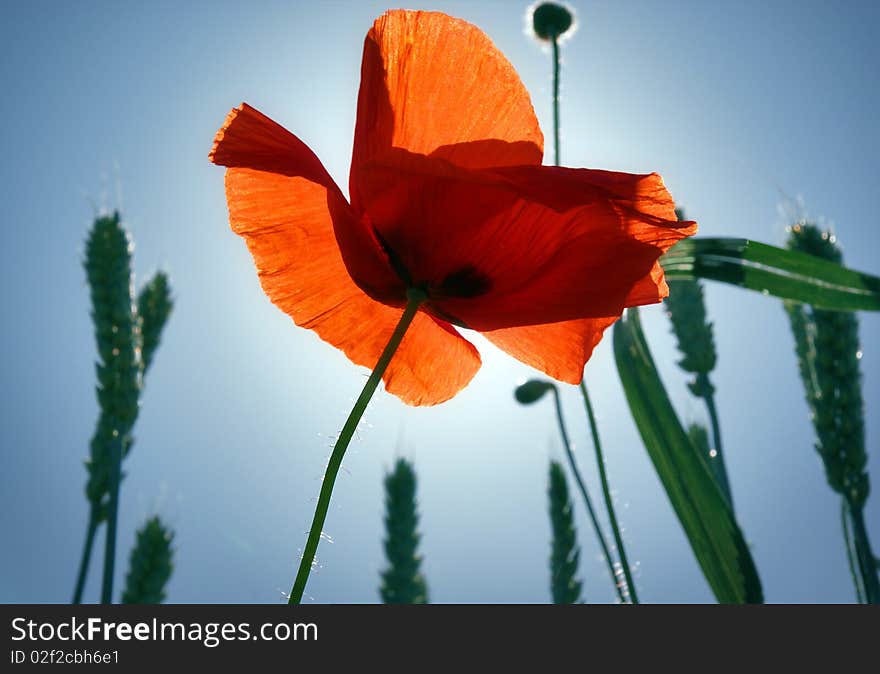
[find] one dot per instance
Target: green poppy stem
(606, 492)
(566, 443)
(112, 518)
(86, 557)
(415, 298)
(556, 67)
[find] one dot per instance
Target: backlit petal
(289, 216)
(249, 139)
(525, 245)
(430, 83)
(289, 231)
(559, 350)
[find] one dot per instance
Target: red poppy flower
(448, 194)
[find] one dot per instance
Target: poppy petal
(525, 245)
(432, 364)
(248, 139)
(559, 350)
(431, 83)
(289, 230)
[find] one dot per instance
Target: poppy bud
(532, 391)
(550, 20)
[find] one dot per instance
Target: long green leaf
(708, 522)
(788, 274)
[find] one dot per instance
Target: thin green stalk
(850, 551)
(86, 558)
(112, 519)
(415, 298)
(717, 461)
(556, 68)
(606, 492)
(617, 586)
(864, 556)
(566, 443)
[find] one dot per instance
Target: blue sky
(742, 107)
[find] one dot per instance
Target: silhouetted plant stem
(606, 492)
(91, 529)
(112, 519)
(572, 464)
(556, 67)
(864, 555)
(557, 64)
(851, 552)
(716, 461)
(415, 298)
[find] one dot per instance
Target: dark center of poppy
(465, 282)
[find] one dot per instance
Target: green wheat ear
(827, 347)
(694, 334)
(565, 553)
(108, 269)
(150, 565)
(828, 353)
(402, 581)
(154, 306)
(127, 335)
(696, 342)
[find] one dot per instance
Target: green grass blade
(708, 522)
(787, 274)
